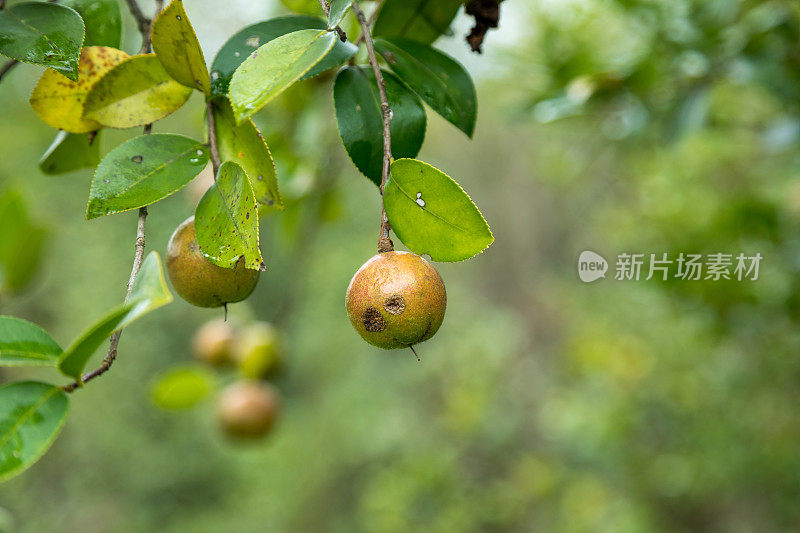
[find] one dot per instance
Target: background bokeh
(543, 403)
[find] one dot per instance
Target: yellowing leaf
(59, 102)
(176, 46)
(245, 145)
(136, 92)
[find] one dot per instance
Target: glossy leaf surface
(358, 114)
(44, 34)
(226, 220)
(31, 417)
(144, 170)
(431, 214)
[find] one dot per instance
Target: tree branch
(142, 22)
(138, 255)
(384, 242)
(371, 20)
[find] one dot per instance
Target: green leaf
(23, 343)
(176, 46)
(43, 34)
(436, 77)
(102, 19)
(244, 42)
(226, 220)
(358, 113)
(144, 170)
(31, 416)
(245, 146)
(21, 242)
(149, 292)
(274, 67)
(432, 214)
(421, 20)
(338, 9)
(136, 92)
(70, 151)
(182, 387)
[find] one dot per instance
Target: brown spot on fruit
(408, 288)
(395, 304)
(372, 320)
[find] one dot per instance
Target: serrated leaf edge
(404, 193)
(94, 176)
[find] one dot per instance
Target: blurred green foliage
(543, 403)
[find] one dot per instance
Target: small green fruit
(396, 300)
(199, 281)
(247, 410)
(214, 343)
(257, 351)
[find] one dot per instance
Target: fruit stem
(384, 242)
(415, 352)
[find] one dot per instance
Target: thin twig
(212, 138)
(138, 255)
(142, 23)
(384, 242)
(7, 66)
(371, 20)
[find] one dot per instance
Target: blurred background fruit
(248, 410)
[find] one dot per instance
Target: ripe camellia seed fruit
(247, 410)
(396, 300)
(214, 343)
(257, 351)
(199, 281)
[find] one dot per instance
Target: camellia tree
(396, 300)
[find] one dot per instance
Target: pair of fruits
(395, 300)
(248, 408)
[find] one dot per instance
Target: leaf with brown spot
(176, 46)
(245, 145)
(226, 220)
(59, 102)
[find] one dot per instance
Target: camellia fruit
(396, 300)
(247, 410)
(257, 350)
(199, 281)
(214, 343)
